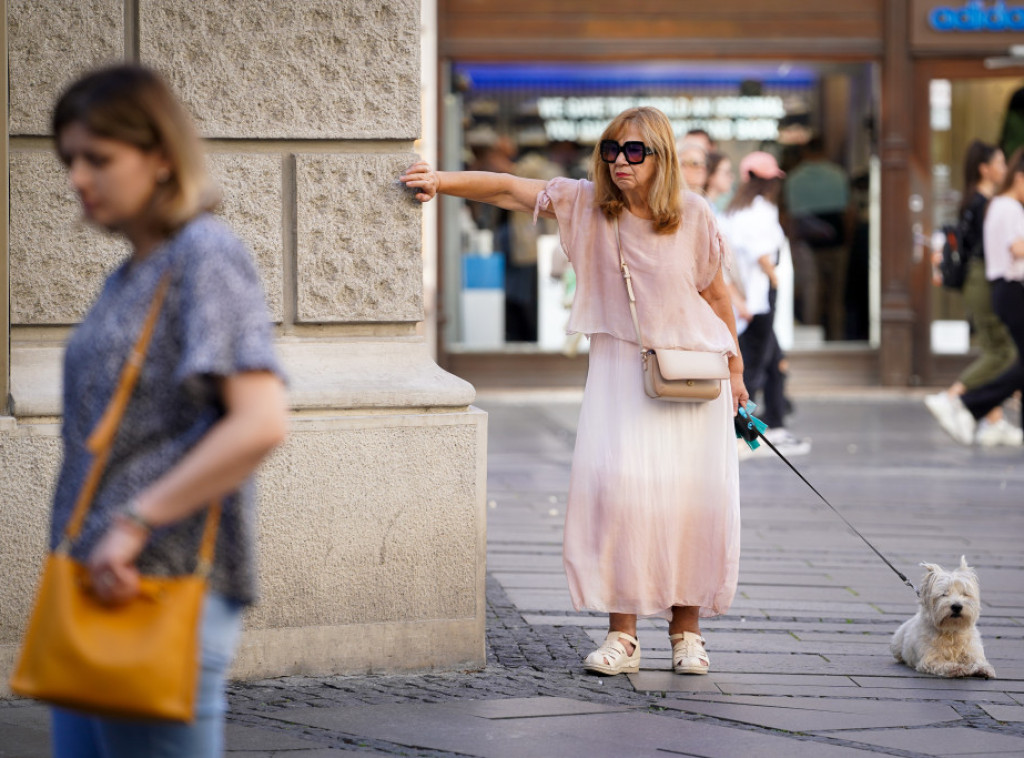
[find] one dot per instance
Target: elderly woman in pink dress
(652, 526)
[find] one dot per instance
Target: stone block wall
(371, 515)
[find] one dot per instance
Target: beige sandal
(611, 658)
(688, 654)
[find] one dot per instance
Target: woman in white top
(1004, 268)
(752, 227)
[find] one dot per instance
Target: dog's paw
(983, 671)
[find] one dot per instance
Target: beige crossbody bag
(679, 376)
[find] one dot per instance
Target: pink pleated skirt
(653, 517)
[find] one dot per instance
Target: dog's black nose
(956, 608)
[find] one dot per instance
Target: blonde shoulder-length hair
(133, 104)
(664, 197)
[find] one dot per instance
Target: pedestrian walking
(984, 173)
(652, 524)
(208, 405)
(1004, 269)
(752, 227)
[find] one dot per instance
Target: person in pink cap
(751, 225)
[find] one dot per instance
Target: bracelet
(133, 516)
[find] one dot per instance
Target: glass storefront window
(961, 111)
(507, 285)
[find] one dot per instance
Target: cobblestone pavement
(800, 665)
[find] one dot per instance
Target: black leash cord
(785, 460)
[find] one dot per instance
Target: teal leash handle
(749, 426)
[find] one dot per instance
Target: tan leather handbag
(139, 659)
(680, 376)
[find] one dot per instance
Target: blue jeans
(76, 735)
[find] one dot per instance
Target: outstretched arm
(512, 193)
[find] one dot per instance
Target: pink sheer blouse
(669, 271)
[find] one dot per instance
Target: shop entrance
(506, 286)
(958, 102)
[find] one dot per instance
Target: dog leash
(900, 574)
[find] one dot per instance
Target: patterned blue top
(214, 323)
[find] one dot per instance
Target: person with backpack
(1004, 269)
(964, 268)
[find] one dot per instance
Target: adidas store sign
(978, 16)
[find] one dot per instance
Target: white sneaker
(1001, 432)
(952, 416)
(787, 443)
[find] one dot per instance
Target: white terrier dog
(942, 638)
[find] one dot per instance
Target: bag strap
(101, 439)
(624, 268)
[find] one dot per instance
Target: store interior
(506, 285)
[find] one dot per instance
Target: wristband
(131, 515)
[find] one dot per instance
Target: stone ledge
(324, 374)
(349, 649)
(358, 373)
(362, 648)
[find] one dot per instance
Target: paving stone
(443, 727)
(541, 600)
(799, 663)
(913, 680)
(556, 620)
(801, 714)
(1005, 712)
(786, 593)
(669, 681)
(241, 737)
(530, 707)
(871, 693)
(944, 741)
(785, 680)
(703, 739)
(521, 562)
(23, 742)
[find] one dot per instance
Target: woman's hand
(112, 571)
(739, 391)
(422, 177)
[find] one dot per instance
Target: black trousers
(761, 356)
(1008, 304)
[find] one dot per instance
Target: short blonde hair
(664, 197)
(133, 104)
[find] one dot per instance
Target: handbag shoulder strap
(628, 279)
(101, 439)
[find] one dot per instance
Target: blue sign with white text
(978, 16)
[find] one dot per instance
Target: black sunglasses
(634, 150)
